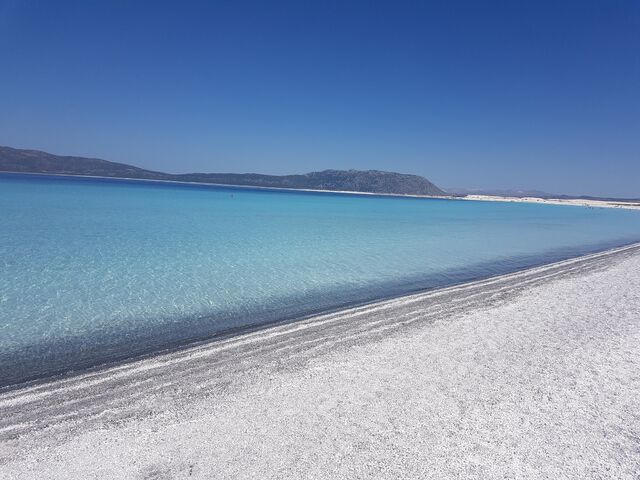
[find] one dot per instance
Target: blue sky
(488, 94)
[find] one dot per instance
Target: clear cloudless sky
(488, 94)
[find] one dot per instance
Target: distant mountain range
(369, 181)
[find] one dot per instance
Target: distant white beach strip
(579, 202)
(528, 375)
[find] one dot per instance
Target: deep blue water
(99, 270)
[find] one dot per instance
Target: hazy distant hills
(371, 181)
(34, 161)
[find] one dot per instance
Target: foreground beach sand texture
(528, 375)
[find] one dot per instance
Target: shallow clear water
(98, 270)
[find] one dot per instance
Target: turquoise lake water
(99, 270)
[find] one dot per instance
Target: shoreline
(623, 204)
(346, 378)
(229, 185)
(629, 205)
(177, 345)
(305, 320)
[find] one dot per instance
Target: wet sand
(527, 375)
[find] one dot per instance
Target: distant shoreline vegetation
(370, 181)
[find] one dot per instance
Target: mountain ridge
(366, 181)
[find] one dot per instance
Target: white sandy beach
(528, 375)
(579, 202)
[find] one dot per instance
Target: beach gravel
(536, 375)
